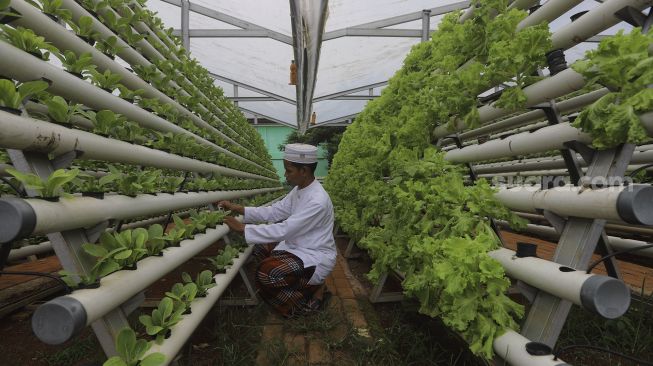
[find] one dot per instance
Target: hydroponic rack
(186, 133)
(579, 190)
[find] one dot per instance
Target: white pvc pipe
(606, 296)
(77, 212)
(564, 107)
(616, 243)
(28, 250)
(120, 286)
(24, 67)
(596, 20)
(562, 83)
(564, 201)
(511, 346)
(551, 10)
(22, 133)
(182, 331)
(544, 139)
(65, 40)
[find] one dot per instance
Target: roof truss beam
(240, 23)
(252, 88)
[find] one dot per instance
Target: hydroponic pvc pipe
(23, 217)
(551, 10)
(593, 22)
(564, 107)
(639, 158)
(562, 83)
(24, 67)
(605, 296)
(182, 331)
(66, 40)
(610, 226)
(567, 81)
(153, 53)
(511, 346)
(544, 139)
(632, 204)
(616, 243)
(17, 132)
(28, 250)
(60, 319)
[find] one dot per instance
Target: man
(290, 276)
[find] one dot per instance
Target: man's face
(293, 174)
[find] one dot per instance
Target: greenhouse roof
(247, 46)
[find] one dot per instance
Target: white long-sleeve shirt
(302, 223)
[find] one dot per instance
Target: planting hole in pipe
(566, 269)
(538, 349)
(556, 61)
(526, 250)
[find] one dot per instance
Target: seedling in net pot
(50, 188)
(164, 317)
(13, 94)
(131, 351)
(184, 294)
(77, 65)
(204, 281)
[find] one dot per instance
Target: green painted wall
(273, 136)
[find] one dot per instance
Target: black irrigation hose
(39, 274)
(631, 174)
(596, 348)
(20, 192)
(591, 267)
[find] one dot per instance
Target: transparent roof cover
(346, 63)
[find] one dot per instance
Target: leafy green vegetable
(131, 351)
(395, 193)
(13, 94)
(60, 111)
(51, 186)
(106, 80)
(621, 63)
(77, 64)
(203, 282)
(164, 317)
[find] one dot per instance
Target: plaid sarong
(282, 281)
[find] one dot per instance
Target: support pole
(426, 24)
(185, 20)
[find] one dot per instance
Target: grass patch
(87, 348)
(631, 334)
(228, 336)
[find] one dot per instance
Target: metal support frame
(426, 24)
(185, 24)
(577, 243)
(252, 300)
(377, 295)
(67, 246)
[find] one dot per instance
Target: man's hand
(234, 224)
(231, 207)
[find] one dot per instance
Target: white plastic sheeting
(345, 63)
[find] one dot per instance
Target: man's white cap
(300, 153)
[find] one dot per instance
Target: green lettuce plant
(53, 8)
(164, 317)
(224, 258)
(77, 64)
(204, 281)
(12, 95)
(50, 187)
(174, 236)
(623, 64)
(170, 184)
(131, 351)
(7, 11)
(183, 293)
(109, 46)
(60, 111)
(128, 94)
(74, 280)
(84, 29)
(86, 182)
(155, 240)
(106, 80)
